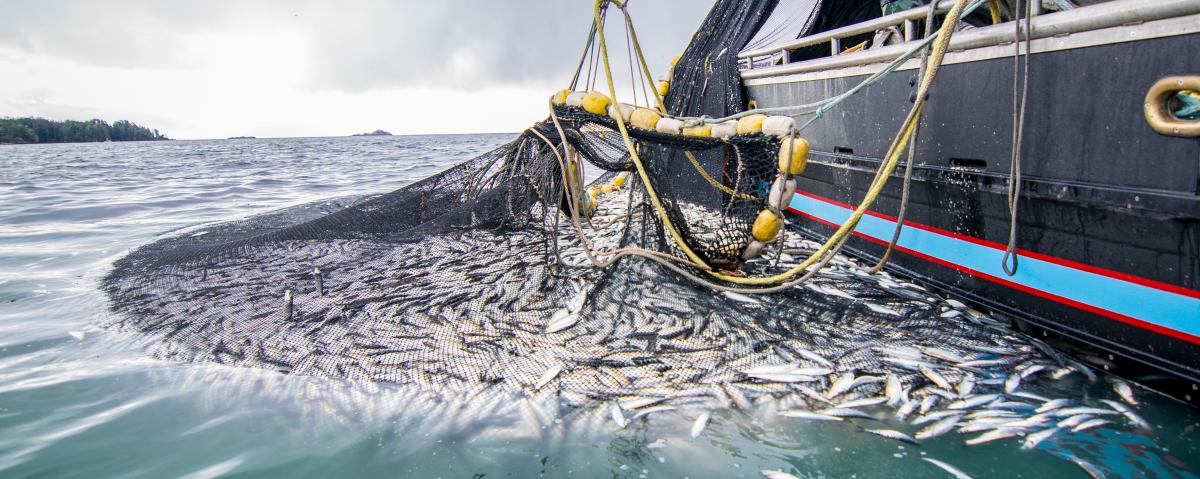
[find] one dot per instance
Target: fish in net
(484, 276)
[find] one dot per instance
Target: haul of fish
(479, 309)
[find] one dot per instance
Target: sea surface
(81, 400)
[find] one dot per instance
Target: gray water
(80, 400)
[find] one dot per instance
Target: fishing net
(479, 277)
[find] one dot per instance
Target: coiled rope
(838, 238)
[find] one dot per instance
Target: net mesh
(475, 277)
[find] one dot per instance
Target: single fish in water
(1088, 468)
(1127, 412)
(954, 471)
(699, 425)
(777, 475)
(1122, 388)
(618, 416)
(892, 434)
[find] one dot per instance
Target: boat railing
(834, 37)
(1095, 17)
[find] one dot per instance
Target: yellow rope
(637, 161)
(848, 226)
(713, 181)
(994, 9)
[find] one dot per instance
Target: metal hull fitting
(1109, 241)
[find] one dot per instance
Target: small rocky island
(373, 133)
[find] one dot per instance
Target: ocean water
(81, 400)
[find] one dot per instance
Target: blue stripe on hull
(1165, 309)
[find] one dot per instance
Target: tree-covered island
(41, 130)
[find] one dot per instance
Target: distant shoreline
(30, 130)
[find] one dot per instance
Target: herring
(1122, 388)
(936, 378)
(548, 376)
(892, 434)
(1127, 412)
(700, 424)
(802, 414)
(618, 416)
(938, 428)
(954, 471)
(1032, 440)
(562, 319)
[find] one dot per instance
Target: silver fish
(928, 403)
(802, 414)
(862, 402)
(1012, 383)
(936, 378)
(840, 385)
(548, 376)
(1127, 412)
(906, 409)
(882, 309)
(1032, 440)
(1089, 424)
(934, 416)
(562, 319)
(1074, 420)
(653, 409)
(1032, 396)
(1052, 405)
(991, 436)
(1122, 388)
(845, 412)
(811, 356)
(954, 471)
(639, 402)
(892, 389)
(618, 416)
(1094, 411)
(1088, 468)
(777, 475)
(699, 425)
(892, 434)
(741, 298)
(1029, 371)
(973, 401)
(938, 428)
(943, 354)
(966, 385)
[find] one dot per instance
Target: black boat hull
(1109, 218)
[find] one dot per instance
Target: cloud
(349, 45)
(308, 67)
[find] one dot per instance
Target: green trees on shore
(41, 130)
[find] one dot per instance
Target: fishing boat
(1072, 112)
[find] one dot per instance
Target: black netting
(476, 276)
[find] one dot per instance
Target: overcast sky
(213, 69)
